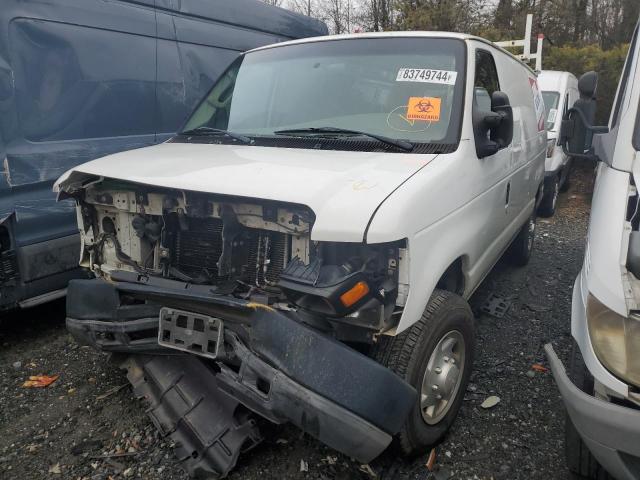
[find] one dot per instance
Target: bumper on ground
(610, 431)
(279, 368)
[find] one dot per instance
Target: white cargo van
(559, 91)
(313, 236)
(601, 390)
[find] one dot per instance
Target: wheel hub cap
(442, 377)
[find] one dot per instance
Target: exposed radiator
(260, 255)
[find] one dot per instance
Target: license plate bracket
(191, 332)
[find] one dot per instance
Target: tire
(581, 464)
(567, 178)
(550, 198)
(446, 319)
(519, 252)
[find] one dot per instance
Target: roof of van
(415, 34)
(556, 81)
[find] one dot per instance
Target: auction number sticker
(427, 75)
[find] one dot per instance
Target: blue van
(80, 79)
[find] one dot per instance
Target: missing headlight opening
(250, 249)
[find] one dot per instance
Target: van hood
(344, 189)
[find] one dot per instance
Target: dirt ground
(87, 424)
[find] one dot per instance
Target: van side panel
(251, 14)
(81, 79)
(528, 151)
(491, 199)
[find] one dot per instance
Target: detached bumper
(278, 367)
(610, 431)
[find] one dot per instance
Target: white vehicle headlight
(551, 145)
(615, 339)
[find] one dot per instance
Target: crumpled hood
(343, 189)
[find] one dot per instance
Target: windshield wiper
(401, 144)
(210, 131)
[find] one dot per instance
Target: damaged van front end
(258, 263)
(229, 302)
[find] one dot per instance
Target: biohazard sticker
(426, 109)
(427, 75)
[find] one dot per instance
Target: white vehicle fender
(427, 212)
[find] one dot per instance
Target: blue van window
(77, 82)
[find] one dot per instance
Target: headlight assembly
(615, 339)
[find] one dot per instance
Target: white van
(314, 234)
(602, 388)
(559, 91)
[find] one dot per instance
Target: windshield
(551, 100)
(400, 88)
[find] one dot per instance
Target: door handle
(506, 200)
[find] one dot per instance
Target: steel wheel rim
(442, 377)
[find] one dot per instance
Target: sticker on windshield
(426, 109)
(427, 75)
(551, 118)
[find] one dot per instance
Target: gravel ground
(87, 424)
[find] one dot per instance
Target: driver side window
(486, 79)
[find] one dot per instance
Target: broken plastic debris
(539, 368)
(431, 461)
(40, 381)
(368, 470)
(490, 402)
(304, 466)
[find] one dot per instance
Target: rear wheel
(435, 356)
(550, 198)
(581, 463)
(519, 251)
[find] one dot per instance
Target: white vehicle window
(551, 104)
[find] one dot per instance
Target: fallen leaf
(490, 402)
(431, 461)
(55, 469)
(304, 466)
(39, 381)
(539, 368)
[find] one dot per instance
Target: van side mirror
(492, 129)
(576, 132)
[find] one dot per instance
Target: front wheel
(435, 356)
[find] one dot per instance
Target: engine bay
(255, 250)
